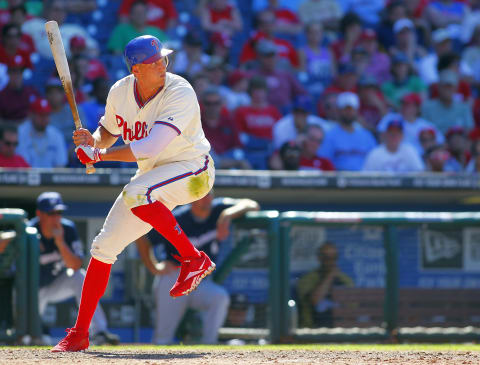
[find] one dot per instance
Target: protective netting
(439, 277)
(248, 279)
(337, 275)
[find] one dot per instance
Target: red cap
(77, 42)
(368, 34)
(18, 61)
(455, 130)
(40, 106)
(412, 98)
(427, 130)
(236, 76)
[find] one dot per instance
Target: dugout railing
(19, 262)
(250, 273)
(415, 275)
(410, 288)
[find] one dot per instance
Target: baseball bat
(58, 51)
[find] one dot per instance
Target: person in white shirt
(41, 144)
(413, 124)
(288, 128)
(158, 117)
(442, 44)
(393, 155)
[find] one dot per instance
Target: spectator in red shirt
(266, 29)
(255, 123)
(220, 17)
(221, 132)
(10, 47)
(95, 68)
(283, 87)
(287, 21)
(257, 119)
(8, 143)
(310, 142)
(15, 98)
(160, 13)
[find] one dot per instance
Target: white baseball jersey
(175, 106)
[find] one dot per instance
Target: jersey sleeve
(181, 109)
(110, 121)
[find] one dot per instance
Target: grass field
(356, 354)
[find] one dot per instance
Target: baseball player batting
(158, 116)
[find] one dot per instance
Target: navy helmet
(144, 49)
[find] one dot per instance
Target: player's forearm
(102, 138)
(146, 255)
(119, 153)
(242, 207)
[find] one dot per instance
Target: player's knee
(134, 195)
(103, 247)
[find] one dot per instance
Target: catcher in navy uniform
(61, 259)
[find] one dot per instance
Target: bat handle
(90, 169)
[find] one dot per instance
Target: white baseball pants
(173, 184)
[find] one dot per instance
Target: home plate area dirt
(236, 356)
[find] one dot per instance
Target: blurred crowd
(378, 85)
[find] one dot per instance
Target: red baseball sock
(94, 287)
(162, 219)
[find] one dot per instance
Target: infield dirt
(235, 356)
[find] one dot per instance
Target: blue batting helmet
(144, 49)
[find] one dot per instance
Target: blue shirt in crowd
(347, 150)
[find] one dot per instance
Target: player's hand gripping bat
(58, 51)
